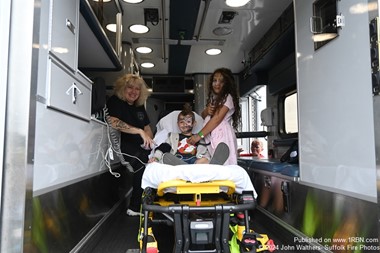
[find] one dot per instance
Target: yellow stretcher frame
(179, 212)
(196, 190)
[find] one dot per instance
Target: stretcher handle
(226, 208)
(185, 187)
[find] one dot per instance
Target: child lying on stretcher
(177, 145)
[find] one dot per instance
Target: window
(324, 23)
(251, 107)
(288, 114)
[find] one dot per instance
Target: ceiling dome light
(133, 1)
(236, 3)
(213, 51)
(144, 50)
(222, 31)
(111, 27)
(139, 28)
(147, 65)
(104, 1)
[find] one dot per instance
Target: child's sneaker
(221, 154)
(168, 158)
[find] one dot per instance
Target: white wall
(336, 126)
(5, 7)
(16, 27)
(76, 152)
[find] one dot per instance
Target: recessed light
(147, 65)
(139, 28)
(144, 50)
(236, 3)
(133, 1)
(111, 27)
(222, 31)
(104, 1)
(213, 51)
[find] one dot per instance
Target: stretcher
(207, 205)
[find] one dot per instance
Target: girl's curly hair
(229, 87)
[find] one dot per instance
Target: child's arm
(211, 125)
(209, 110)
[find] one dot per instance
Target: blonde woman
(128, 115)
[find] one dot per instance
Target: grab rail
(252, 134)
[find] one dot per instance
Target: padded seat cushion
(291, 170)
(270, 165)
(244, 162)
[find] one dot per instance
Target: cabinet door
(64, 31)
(68, 94)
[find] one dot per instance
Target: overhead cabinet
(64, 31)
(68, 90)
(75, 41)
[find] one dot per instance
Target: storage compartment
(67, 93)
(63, 31)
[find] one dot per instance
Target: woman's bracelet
(201, 134)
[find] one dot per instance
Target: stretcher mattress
(156, 173)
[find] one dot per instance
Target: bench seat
(270, 165)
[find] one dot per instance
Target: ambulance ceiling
(187, 28)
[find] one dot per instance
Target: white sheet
(156, 173)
